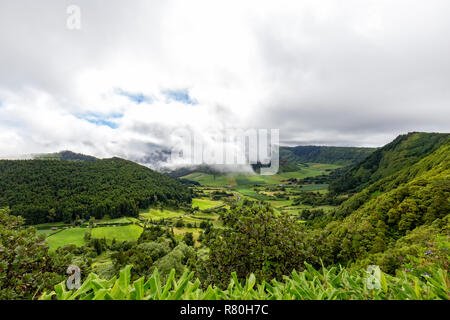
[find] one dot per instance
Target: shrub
(176, 259)
(26, 265)
(255, 240)
(336, 283)
(189, 239)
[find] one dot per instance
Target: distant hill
(54, 190)
(404, 151)
(290, 157)
(64, 155)
(184, 171)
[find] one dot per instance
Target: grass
(116, 220)
(206, 215)
(156, 214)
(67, 236)
(280, 203)
(211, 180)
(314, 187)
(46, 232)
(242, 185)
(180, 232)
(204, 204)
(240, 179)
(190, 219)
(295, 210)
(120, 233)
(200, 217)
(56, 239)
(249, 192)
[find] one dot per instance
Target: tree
(26, 266)
(91, 222)
(189, 239)
(42, 191)
(179, 224)
(258, 241)
(177, 259)
(99, 245)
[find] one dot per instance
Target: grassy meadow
(205, 204)
(120, 233)
(240, 179)
(64, 237)
(275, 190)
(158, 214)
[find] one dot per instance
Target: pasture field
(280, 203)
(242, 185)
(157, 214)
(189, 219)
(180, 232)
(249, 192)
(116, 220)
(101, 261)
(204, 204)
(211, 180)
(60, 238)
(67, 236)
(197, 219)
(209, 190)
(240, 179)
(314, 187)
(46, 232)
(120, 233)
(203, 215)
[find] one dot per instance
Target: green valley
(394, 213)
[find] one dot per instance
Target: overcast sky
(347, 73)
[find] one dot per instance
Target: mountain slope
(392, 217)
(290, 157)
(404, 151)
(53, 190)
(64, 155)
(184, 171)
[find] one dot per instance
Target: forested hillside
(261, 232)
(48, 190)
(291, 156)
(404, 151)
(394, 216)
(64, 155)
(183, 171)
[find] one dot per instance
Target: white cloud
(328, 72)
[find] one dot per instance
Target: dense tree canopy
(51, 190)
(374, 225)
(255, 240)
(399, 221)
(401, 153)
(290, 156)
(26, 267)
